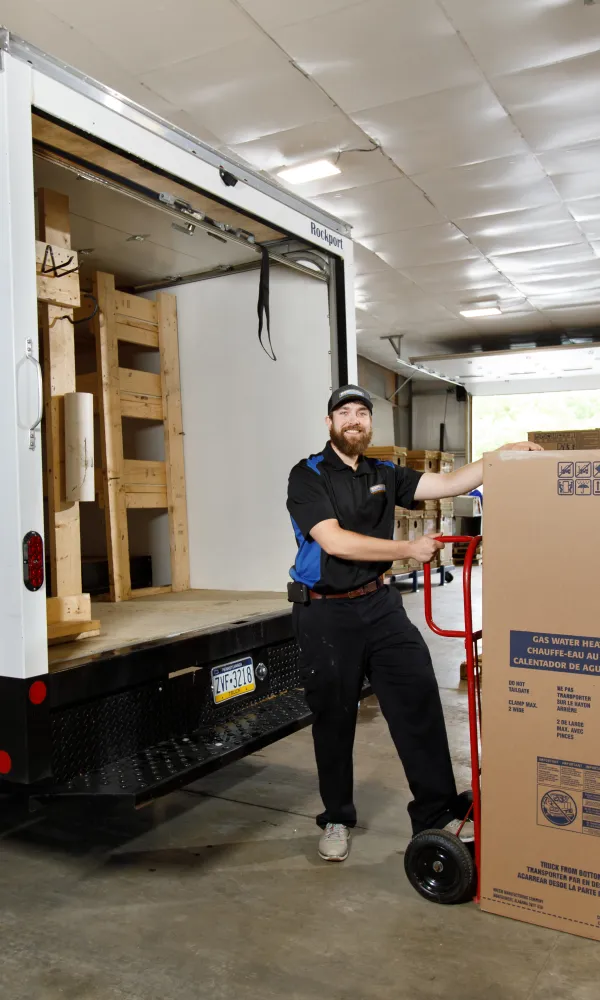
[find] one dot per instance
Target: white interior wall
(432, 406)
(383, 422)
(247, 420)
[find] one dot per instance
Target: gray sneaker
(466, 834)
(334, 844)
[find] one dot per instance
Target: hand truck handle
(467, 633)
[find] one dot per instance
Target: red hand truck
(439, 865)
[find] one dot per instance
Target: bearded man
(349, 625)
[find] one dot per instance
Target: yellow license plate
(232, 680)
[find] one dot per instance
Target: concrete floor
(217, 892)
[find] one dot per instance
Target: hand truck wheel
(441, 867)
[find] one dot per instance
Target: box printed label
(580, 479)
(569, 654)
(569, 795)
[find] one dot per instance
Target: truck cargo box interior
(195, 427)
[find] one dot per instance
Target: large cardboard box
(541, 700)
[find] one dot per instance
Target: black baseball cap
(349, 394)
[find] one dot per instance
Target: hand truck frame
(438, 864)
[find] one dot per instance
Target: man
(348, 624)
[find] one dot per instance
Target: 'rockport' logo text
(322, 234)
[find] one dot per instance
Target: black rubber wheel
(440, 867)
(448, 577)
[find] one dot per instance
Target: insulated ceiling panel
(237, 103)
(426, 245)
(515, 35)
(490, 188)
(382, 208)
(554, 106)
(115, 26)
(574, 171)
(515, 232)
(380, 51)
(486, 113)
(448, 129)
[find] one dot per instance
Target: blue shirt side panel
(307, 568)
(391, 464)
(314, 462)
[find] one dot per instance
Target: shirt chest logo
(378, 488)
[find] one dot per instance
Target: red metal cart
(438, 864)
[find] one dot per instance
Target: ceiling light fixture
(137, 238)
(309, 172)
(476, 312)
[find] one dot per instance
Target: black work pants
(341, 641)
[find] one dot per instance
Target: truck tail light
(33, 560)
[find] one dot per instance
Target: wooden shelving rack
(125, 392)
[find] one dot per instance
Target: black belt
(369, 588)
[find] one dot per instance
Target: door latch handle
(40, 387)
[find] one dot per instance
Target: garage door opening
(500, 419)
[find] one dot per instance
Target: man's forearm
(362, 548)
(437, 486)
(465, 479)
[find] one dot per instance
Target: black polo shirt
(323, 487)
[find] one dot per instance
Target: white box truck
(189, 671)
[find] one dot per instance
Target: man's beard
(351, 446)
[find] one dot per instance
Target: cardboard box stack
(436, 461)
(566, 440)
(424, 461)
(388, 453)
(541, 707)
(409, 527)
(430, 516)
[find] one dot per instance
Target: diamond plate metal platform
(176, 762)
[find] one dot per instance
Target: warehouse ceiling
(467, 133)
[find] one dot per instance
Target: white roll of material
(79, 446)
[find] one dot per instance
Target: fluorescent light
(309, 172)
(474, 313)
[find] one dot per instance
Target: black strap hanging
(263, 304)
